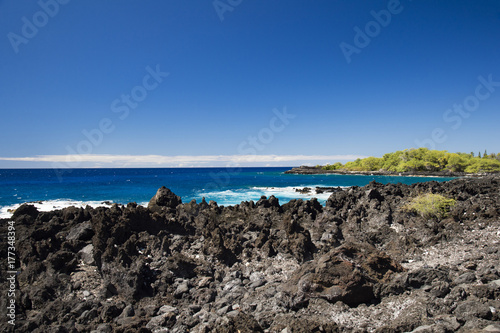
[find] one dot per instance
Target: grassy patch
(430, 205)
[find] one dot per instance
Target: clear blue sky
(245, 78)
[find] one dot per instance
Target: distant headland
(412, 162)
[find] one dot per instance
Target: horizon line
(75, 161)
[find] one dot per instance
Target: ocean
(55, 189)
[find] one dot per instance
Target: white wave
(45, 206)
(230, 197)
(285, 194)
(294, 192)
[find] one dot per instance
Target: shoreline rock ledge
(318, 170)
(359, 263)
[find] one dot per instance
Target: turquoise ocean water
(61, 188)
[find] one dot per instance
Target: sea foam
(284, 194)
(45, 206)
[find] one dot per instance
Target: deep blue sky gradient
(226, 76)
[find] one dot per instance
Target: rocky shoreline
(357, 264)
(317, 170)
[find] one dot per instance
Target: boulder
(25, 209)
(87, 255)
(82, 232)
(164, 198)
(346, 274)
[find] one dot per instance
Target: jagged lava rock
(358, 263)
(164, 197)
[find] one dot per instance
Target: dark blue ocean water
(226, 186)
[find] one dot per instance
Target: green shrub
(335, 166)
(423, 159)
(430, 205)
(483, 165)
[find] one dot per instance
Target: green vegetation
(423, 159)
(430, 205)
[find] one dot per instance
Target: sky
(129, 83)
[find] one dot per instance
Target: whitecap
(294, 192)
(48, 205)
(230, 197)
(284, 194)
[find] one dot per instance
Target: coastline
(358, 261)
(313, 170)
(136, 185)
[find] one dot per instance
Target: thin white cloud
(95, 160)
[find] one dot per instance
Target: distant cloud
(117, 161)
